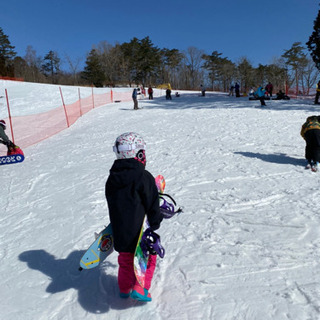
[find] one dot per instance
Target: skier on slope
(131, 194)
(12, 148)
(310, 132)
(237, 89)
(135, 93)
(150, 93)
(269, 88)
(259, 93)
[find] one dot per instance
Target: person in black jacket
(4, 138)
(131, 194)
(310, 132)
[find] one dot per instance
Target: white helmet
(130, 145)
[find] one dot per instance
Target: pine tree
(7, 55)
(51, 66)
(220, 70)
(93, 71)
(144, 59)
(314, 42)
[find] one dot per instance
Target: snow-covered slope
(246, 247)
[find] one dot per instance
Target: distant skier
(237, 90)
(131, 194)
(168, 94)
(203, 90)
(143, 92)
(259, 93)
(269, 89)
(150, 93)
(231, 90)
(251, 94)
(310, 132)
(135, 98)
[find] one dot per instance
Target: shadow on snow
(280, 158)
(97, 291)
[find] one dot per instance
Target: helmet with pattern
(130, 145)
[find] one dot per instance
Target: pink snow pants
(126, 277)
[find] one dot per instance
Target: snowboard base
(14, 158)
(99, 250)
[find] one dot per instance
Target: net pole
(92, 98)
(64, 107)
(10, 120)
(80, 102)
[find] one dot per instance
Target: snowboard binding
(167, 209)
(150, 244)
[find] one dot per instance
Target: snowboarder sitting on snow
(282, 96)
(131, 194)
(310, 132)
(12, 148)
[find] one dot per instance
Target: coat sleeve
(303, 131)
(3, 136)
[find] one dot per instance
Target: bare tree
(34, 66)
(193, 67)
(74, 68)
(309, 76)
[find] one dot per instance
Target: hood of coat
(124, 172)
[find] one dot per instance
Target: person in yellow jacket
(310, 132)
(316, 101)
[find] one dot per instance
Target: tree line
(141, 62)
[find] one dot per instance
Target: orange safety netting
(31, 129)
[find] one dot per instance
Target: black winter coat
(312, 138)
(131, 194)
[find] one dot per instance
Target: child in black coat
(131, 194)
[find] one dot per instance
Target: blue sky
(258, 30)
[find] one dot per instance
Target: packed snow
(247, 245)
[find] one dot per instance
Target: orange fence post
(80, 102)
(111, 96)
(64, 106)
(9, 115)
(92, 99)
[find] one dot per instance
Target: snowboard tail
(11, 159)
(100, 249)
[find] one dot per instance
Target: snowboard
(140, 259)
(99, 250)
(14, 158)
